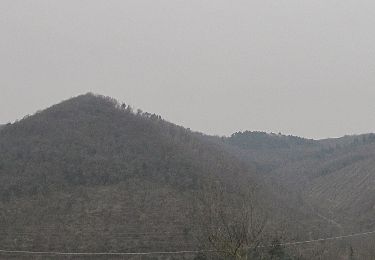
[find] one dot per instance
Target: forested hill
(335, 177)
(92, 140)
(90, 174)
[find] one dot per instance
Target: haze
(298, 67)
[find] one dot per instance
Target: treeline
(263, 140)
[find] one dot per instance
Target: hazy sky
(298, 67)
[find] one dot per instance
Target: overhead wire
(57, 253)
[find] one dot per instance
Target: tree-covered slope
(89, 174)
(334, 176)
(92, 140)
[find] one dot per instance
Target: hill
(106, 144)
(90, 174)
(334, 177)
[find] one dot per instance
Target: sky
(297, 67)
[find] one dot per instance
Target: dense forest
(92, 175)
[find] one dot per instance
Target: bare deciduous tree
(232, 223)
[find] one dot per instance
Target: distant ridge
(334, 176)
(263, 140)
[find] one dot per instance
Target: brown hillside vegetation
(335, 177)
(92, 175)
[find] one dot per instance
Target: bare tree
(232, 223)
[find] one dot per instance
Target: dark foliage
(262, 140)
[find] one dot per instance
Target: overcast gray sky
(298, 67)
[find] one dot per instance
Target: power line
(326, 239)
(104, 253)
(55, 253)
